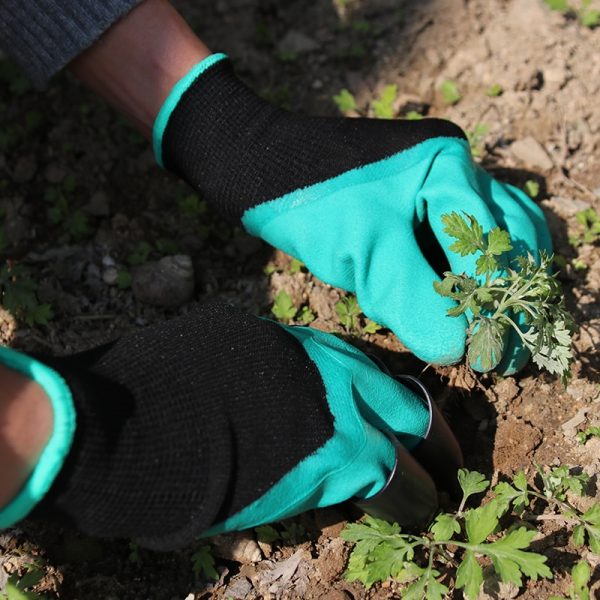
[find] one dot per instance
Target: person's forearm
(136, 63)
(25, 428)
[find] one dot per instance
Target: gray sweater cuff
(42, 36)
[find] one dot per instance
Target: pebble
(239, 588)
(98, 205)
(168, 282)
(25, 169)
(296, 42)
(239, 547)
(531, 152)
(110, 275)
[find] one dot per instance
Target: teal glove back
(357, 231)
(357, 461)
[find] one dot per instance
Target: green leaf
(481, 522)
(498, 241)
(578, 536)
(345, 101)
(450, 92)
(306, 315)
(510, 560)
(140, 254)
(468, 235)
(203, 563)
(283, 308)
(267, 534)
(383, 108)
(444, 527)
(471, 482)
(486, 343)
(494, 90)
(469, 575)
(371, 327)
(295, 266)
(558, 5)
(348, 311)
(581, 574)
(532, 188)
(124, 279)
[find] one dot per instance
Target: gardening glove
(345, 196)
(212, 422)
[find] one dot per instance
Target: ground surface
(62, 153)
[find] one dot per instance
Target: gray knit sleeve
(42, 36)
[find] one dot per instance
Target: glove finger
(396, 289)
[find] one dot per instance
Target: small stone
(168, 282)
(531, 152)
(240, 547)
(25, 169)
(296, 42)
(98, 205)
(239, 588)
(110, 275)
(55, 173)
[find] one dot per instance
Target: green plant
(306, 315)
(383, 107)
(586, 434)
(345, 101)
(371, 327)
(588, 17)
(531, 188)
(19, 588)
(295, 266)
(347, 310)
(283, 307)
(452, 548)
(589, 220)
(557, 5)
(135, 556)
(18, 295)
(449, 553)
(191, 206)
(413, 115)
(450, 92)
(75, 223)
(291, 533)
(476, 137)
(203, 563)
(124, 279)
(140, 254)
(581, 575)
(494, 90)
(502, 292)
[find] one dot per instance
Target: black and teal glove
(216, 421)
(346, 197)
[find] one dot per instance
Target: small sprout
(347, 310)
(413, 115)
(267, 534)
(140, 254)
(588, 17)
(494, 90)
(306, 315)
(475, 137)
(371, 327)
(283, 308)
(383, 107)
(295, 266)
(203, 564)
(450, 92)
(589, 232)
(124, 279)
(532, 188)
(345, 101)
(558, 5)
(586, 434)
(191, 206)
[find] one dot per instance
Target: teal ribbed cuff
(160, 123)
(57, 448)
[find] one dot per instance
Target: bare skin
(136, 63)
(25, 427)
(134, 66)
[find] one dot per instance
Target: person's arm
(136, 63)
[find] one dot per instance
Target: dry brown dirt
(544, 127)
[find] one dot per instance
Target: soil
(544, 127)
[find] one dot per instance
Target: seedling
(20, 588)
(295, 266)
(584, 436)
(191, 206)
(306, 315)
(588, 17)
(283, 307)
(450, 92)
(371, 327)
(347, 310)
(383, 107)
(494, 90)
(476, 137)
(124, 279)
(203, 564)
(503, 293)
(413, 115)
(345, 101)
(531, 188)
(18, 295)
(589, 220)
(579, 590)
